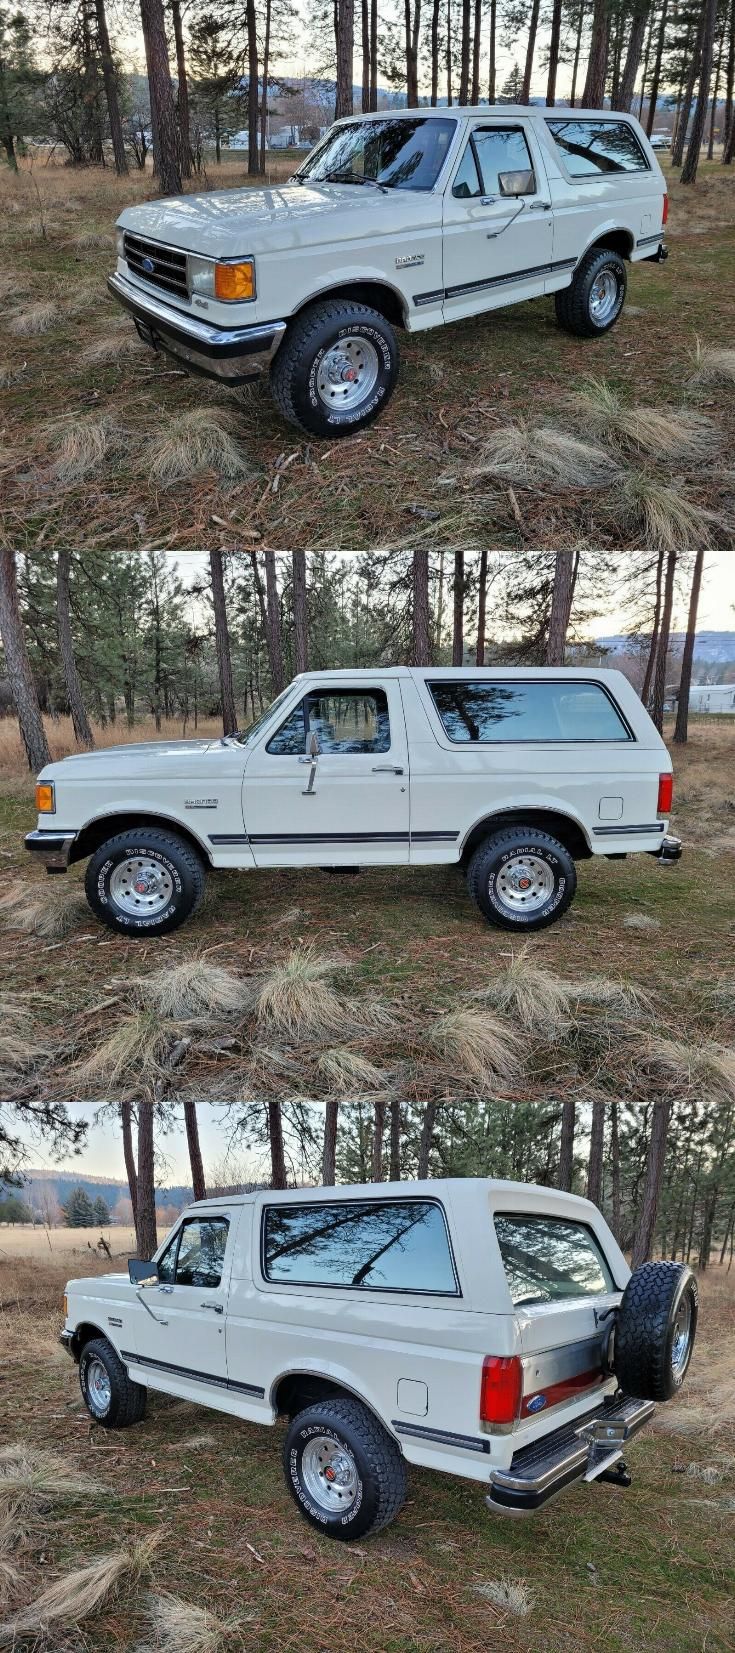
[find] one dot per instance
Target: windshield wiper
(352, 178)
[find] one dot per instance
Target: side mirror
(517, 183)
(142, 1273)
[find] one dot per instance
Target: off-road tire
(573, 303)
(495, 852)
(127, 1399)
(296, 365)
(644, 1330)
(182, 863)
(380, 1466)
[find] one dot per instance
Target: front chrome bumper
(580, 1450)
(52, 846)
(234, 354)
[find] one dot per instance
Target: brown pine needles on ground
(540, 455)
(78, 1595)
(179, 1626)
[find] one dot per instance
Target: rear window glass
(541, 711)
(546, 1258)
(388, 1245)
(592, 147)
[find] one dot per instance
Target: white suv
(514, 774)
(403, 220)
(490, 1329)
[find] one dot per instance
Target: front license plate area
(146, 334)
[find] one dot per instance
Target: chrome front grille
(162, 266)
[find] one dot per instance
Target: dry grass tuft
(196, 1443)
(537, 999)
(50, 910)
(673, 434)
(479, 1047)
(82, 445)
(539, 455)
(129, 1060)
(714, 364)
(296, 1000)
(20, 1050)
(92, 238)
(196, 442)
(665, 515)
(621, 997)
(31, 1477)
(679, 1070)
(350, 1074)
(33, 319)
(510, 1594)
(194, 988)
(722, 996)
(180, 1627)
(8, 375)
(79, 1594)
(641, 921)
(111, 346)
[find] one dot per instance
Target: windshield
(399, 154)
(244, 735)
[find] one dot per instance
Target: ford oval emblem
(536, 1404)
(148, 266)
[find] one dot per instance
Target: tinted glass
(402, 154)
(351, 720)
(467, 178)
(498, 152)
(591, 147)
(546, 1258)
(201, 1252)
(167, 1263)
(391, 1245)
(487, 712)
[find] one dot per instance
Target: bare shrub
(193, 443)
(540, 455)
(51, 909)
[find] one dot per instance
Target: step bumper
(577, 1451)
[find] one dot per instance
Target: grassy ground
(410, 938)
(74, 364)
(606, 1571)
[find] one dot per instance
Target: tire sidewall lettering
(366, 409)
(555, 898)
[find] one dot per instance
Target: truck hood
(139, 756)
(232, 223)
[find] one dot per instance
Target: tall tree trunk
(687, 97)
(656, 76)
(273, 618)
(412, 21)
(593, 96)
(530, 51)
(655, 629)
(275, 1137)
(300, 629)
(365, 36)
(554, 43)
(222, 643)
(566, 1144)
(561, 607)
(373, 55)
(395, 1141)
(491, 51)
(182, 99)
(329, 1153)
(435, 53)
(77, 707)
(633, 56)
(715, 95)
(18, 667)
(659, 674)
(126, 1121)
(458, 594)
(344, 27)
(264, 93)
(577, 54)
(427, 1137)
(615, 1169)
(166, 147)
(597, 1149)
(448, 53)
(146, 1222)
(195, 1152)
(251, 29)
(646, 61)
(110, 85)
(378, 1134)
(689, 172)
(464, 54)
(643, 1243)
(421, 646)
(476, 33)
(481, 608)
(728, 133)
(685, 681)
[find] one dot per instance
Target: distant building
(712, 697)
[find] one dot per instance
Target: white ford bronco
(514, 774)
(490, 1329)
(403, 220)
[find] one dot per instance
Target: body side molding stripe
(198, 1377)
(497, 281)
(297, 838)
(620, 830)
(468, 1443)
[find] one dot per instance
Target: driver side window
(196, 1254)
(344, 720)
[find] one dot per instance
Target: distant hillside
(59, 1185)
(714, 648)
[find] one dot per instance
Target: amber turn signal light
(45, 798)
(233, 281)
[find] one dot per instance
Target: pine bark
(566, 1144)
(166, 147)
(126, 1121)
(615, 1169)
(464, 54)
(685, 681)
(329, 1153)
(434, 98)
(373, 55)
(689, 172)
(264, 95)
(110, 84)
(481, 608)
(554, 44)
(395, 1141)
(476, 34)
(278, 1153)
(300, 630)
(633, 55)
(365, 37)
(655, 628)
(530, 51)
(427, 1137)
(593, 96)
(146, 1203)
(597, 1148)
(643, 1242)
(182, 100)
(378, 1135)
(687, 97)
(421, 624)
(492, 51)
(344, 29)
(222, 643)
(561, 607)
(659, 674)
(412, 25)
(656, 76)
(251, 29)
(18, 667)
(77, 707)
(728, 133)
(273, 619)
(458, 596)
(195, 1152)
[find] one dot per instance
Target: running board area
(584, 1449)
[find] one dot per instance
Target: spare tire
(655, 1330)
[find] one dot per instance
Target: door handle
(387, 769)
(306, 760)
(540, 206)
(217, 1308)
(167, 1289)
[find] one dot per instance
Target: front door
(331, 785)
(181, 1320)
(497, 247)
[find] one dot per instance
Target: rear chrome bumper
(580, 1450)
(234, 354)
(669, 848)
(52, 846)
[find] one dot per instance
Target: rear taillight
(502, 1386)
(665, 793)
(665, 218)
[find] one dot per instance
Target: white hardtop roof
(494, 111)
(460, 673)
(431, 1187)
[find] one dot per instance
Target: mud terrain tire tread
(642, 1353)
(385, 1491)
(127, 1405)
(572, 303)
(304, 331)
(477, 876)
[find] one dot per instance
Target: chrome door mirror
(517, 183)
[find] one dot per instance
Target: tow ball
(619, 1476)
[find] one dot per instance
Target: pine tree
(79, 1211)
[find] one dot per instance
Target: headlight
(231, 280)
(46, 798)
(120, 239)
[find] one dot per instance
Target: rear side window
(344, 720)
(547, 1258)
(540, 711)
(378, 1245)
(196, 1254)
(591, 147)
